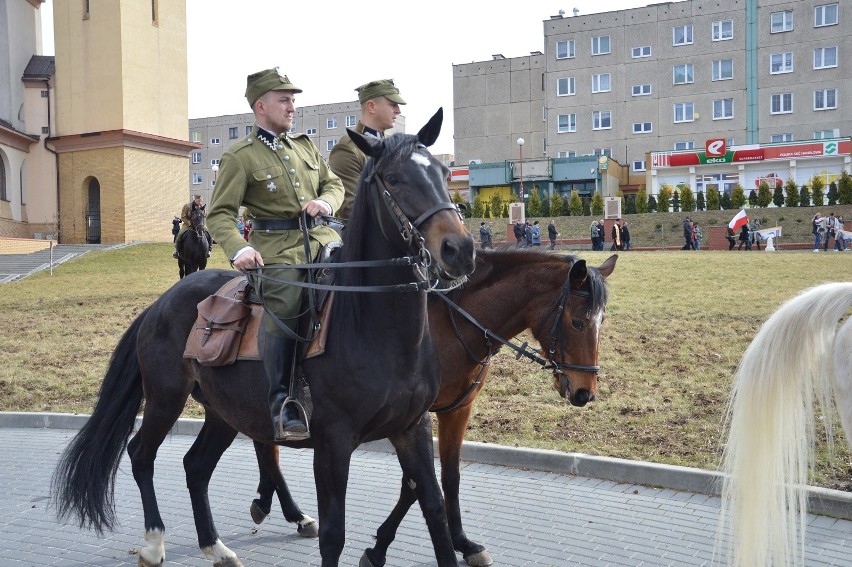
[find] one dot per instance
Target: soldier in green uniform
(380, 102)
(276, 175)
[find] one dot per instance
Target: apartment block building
(663, 78)
(324, 123)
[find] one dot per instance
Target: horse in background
(563, 303)
(403, 227)
(771, 428)
(194, 245)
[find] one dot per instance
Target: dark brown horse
(380, 344)
(193, 245)
(559, 298)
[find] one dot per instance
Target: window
(825, 99)
(331, 123)
(778, 138)
(781, 63)
(600, 45)
(682, 35)
(293, 127)
(566, 123)
(196, 157)
(329, 144)
(603, 152)
(684, 145)
(214, 162)
(565, 86)
(723, 109)
(311, 131)
(723, 30)
(351, 121)
(682, 74)
(215, 141)
(723, 69)
(232, 133)
(565, 49)
(641, 90)
(601, 83)
(602, 120)
(781, 21)
(644, 51)
(639, 165)
(684, 112)
(248, 130)
(196, 179)
(4, 194)
(781, 103)
(568, 153)
(825, 15)
(641, 127)
(825, 57)
(826, 134)
(155, 19)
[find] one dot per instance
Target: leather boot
(277, 352)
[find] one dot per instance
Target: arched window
(93, 213)
(4, 191)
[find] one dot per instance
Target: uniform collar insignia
(268, 138)
(374, 133)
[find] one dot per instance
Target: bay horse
(559, 298)
(377, 379)
(192, 248)
(770, 425)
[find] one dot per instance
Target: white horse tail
(770, 426)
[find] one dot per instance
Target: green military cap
(260, 83)
(383, 87)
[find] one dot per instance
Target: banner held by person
(739, 219)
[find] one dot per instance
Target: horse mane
(490, 263)
(362, 224)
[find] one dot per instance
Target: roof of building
(40, 68)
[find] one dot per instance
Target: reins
(520, 350)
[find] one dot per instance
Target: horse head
(407, 190)
(196, 221)
(573, 339)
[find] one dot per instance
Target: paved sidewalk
(14, 267)
(524, 517)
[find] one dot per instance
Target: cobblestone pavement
(523, 517)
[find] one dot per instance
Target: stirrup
(298, 430)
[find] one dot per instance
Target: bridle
(556, 338)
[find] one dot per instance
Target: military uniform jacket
(347, 161)
(272, 185)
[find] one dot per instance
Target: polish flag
(740, 219)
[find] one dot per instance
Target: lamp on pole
(215, 169)
(521, 150)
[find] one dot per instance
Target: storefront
(724, 166)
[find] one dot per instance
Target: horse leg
(142, 450)
(376, 556)
(451, 427)
(199, 463)
(414, 451)
(271, 480)
(332, 458)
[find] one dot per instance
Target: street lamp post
(521, 149)
(215, 169)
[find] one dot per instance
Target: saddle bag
(219, 329)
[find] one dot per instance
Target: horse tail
(83, 484)
(771, 431)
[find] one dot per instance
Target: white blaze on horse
(771, 426)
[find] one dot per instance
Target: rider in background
(185, 214)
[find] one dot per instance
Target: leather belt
(281, 224)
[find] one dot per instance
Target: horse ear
(607, 267)
(578, 274)
(429, 133)
(369, 145)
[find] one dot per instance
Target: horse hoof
(481, 559)
(308, 529)
(257, 513)
(365, 561)
(229, 562)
